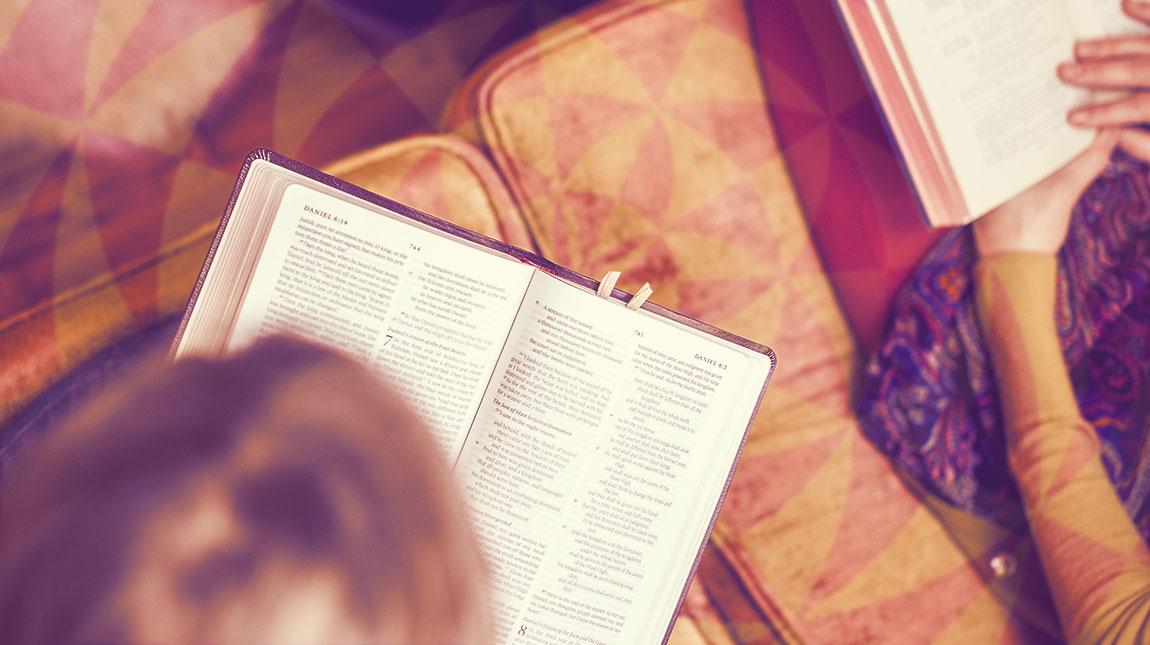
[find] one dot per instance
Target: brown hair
(194, 501)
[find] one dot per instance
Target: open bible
(593, 441)
(970, 91)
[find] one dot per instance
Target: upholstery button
(1003, 565)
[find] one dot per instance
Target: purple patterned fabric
(928, 398)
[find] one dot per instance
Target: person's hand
(1119, 64)
(1036, 219)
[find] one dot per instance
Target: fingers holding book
(1111, 72)
(1133, 109)
(1129, 115)
(1119, 69)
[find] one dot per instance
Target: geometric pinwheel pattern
(123, 122)
(631, 136)
(861, 209)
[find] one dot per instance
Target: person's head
(282, 494)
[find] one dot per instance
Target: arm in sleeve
(1094, 557)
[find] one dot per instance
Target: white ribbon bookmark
(607, 284)
(640, 297)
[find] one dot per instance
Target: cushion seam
(101, 282)
(460, 150)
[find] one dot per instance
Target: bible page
(987, 72)
(596, 463)
(429, 311)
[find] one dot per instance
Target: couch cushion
(635, 137)
(438, 174)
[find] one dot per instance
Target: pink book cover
(882, 56)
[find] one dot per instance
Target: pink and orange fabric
(863, 215)
(122, 126)
(632, 135)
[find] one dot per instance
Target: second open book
(593, 441)
(970, 91)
